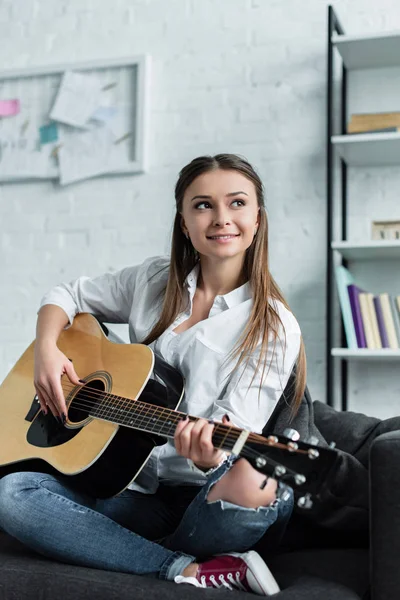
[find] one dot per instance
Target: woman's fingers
(42, 401)
(183, 435)
(202, 444)
(193, 439)
(58, 398)
(46, 400)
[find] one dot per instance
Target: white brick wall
(244, 76)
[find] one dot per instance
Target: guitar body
(98, 456)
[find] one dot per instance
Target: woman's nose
(221, 218)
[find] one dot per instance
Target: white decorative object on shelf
(385, 230)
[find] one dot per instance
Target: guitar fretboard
(147, 417)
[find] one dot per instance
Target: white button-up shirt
(132, 296)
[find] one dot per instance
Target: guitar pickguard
(46, 432)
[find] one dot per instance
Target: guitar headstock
(304, 466)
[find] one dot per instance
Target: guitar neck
(158, 420)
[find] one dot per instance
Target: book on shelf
(370, 321)
(354, 292)
(374, 321)
(367, 321)
(389, 322)
(379, 130)
(363, 122)
(381, 322)
(396, 316)
(343, 279)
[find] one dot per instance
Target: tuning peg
(292, 434)
(260, 462)
(279, 471)
(305, 502)
(299, 479)
(332, 445)
(313, 440)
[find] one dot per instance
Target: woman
(213, 311)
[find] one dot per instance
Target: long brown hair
(264, 317)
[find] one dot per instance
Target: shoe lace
(237, 581)
(212, 579)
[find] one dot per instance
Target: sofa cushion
(26, 575)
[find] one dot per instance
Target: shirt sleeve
(109, 297)
(250, 405)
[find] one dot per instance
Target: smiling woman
(213, 311)
(221, 215)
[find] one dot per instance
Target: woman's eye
(202, 205)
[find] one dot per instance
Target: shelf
(374, 250)
(364, 354)
(369, 51)
(368, 149)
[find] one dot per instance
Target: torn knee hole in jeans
(225, 505)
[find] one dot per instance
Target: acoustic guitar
(126, 406)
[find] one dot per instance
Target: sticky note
(48, 133)
(9, 108)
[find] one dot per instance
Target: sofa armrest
(385, 516)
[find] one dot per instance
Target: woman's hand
(193, 439)
(50, 365)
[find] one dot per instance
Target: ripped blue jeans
(147, 534)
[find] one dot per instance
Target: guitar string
(96, 394)
(147, 420)
(230, 435)
(159, 411)
(245, 451)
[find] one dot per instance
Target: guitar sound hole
(86, 400)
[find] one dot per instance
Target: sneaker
(247, 572)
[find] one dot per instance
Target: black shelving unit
(367, 51)
(334, 26)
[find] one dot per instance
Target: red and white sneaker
(247, 572)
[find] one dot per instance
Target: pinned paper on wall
(77, 99)
(21, 153)
(86, 154)
(74, 122)
(104, 114)
(9, 108)
(48, 133)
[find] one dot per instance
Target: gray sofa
(312, 564)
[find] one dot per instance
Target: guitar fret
(154, 419)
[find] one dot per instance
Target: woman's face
(220, 213)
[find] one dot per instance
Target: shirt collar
(233, 298)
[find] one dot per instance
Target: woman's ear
(183, 227)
